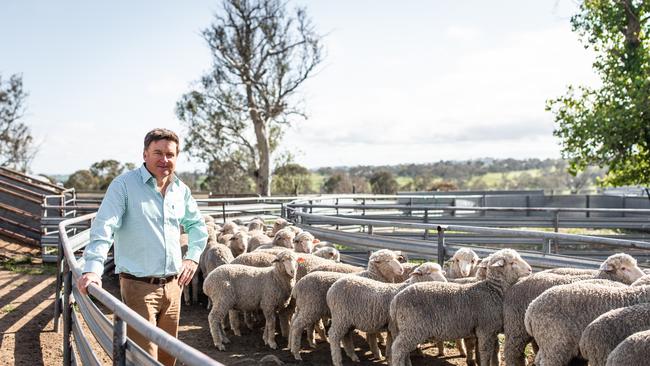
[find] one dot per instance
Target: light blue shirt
(145, 227)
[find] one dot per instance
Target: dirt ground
(28, 337)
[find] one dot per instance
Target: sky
(402, 82)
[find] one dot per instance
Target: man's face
(160, 158)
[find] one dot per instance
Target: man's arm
(108, 219)
(197, 233)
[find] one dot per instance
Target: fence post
(223, 211)
(410, 212)
(67, 318)
(483, 212)
(588, 204)
(363, 213)
(337, 211)
(119, 341)
(369, 229)
(453, 203)
(556, 228)
(57, 291)
(426, 221)
(546, 246)
(283, 213)
(311, 206)
(441, 245)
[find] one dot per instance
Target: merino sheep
(255, 259)
(311, 291)
(642, 281)
(239, 243)
(618, 267)
(328, 253)
(557, 317)
(608, 330)
(360, 303)
(407, 270)
(462, 264)
(248, 289)
(453, 311)
(303, 242)
(633, 351)
(256, 224)
(337, 267)
(257, 239)
(278, 225)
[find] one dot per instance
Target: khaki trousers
(160, 305)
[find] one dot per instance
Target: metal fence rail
(111, 335)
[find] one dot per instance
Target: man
(142, 212)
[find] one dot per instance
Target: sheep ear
(444, 273)
(607, 267)
(499, 263)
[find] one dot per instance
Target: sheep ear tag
(499, 263)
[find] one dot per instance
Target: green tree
(106, 171)
(383, 182)
(83, 180)
(609, 126)
(227, 177)
(292, 179)
(261, 56)
(17, 148)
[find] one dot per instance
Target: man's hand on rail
(86, 279)
(187, 272)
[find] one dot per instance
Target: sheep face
(507, 266)
(464, 260)
(239, 242)
(279, 224)
(255, 224)
(284, 238)
(481, 271)
(386, 261)
(304, 242)
(622, 267)
(286, 263)
(427, 272)
(229, 228)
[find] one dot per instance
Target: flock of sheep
(285, 275)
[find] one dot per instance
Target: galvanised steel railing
(111, 335)
(361, 230)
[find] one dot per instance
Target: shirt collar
(146, 175)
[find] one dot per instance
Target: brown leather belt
(150, 280)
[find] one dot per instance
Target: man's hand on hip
(187, 272)
(86, 279)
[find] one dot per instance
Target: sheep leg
(401, 348)
(514, 347)
(374, 346)
(441, 348)
(284, 316)
(559, 352)
(470, 346)
(233, 317)
(311, 335)
(186, 295)
(215, 318)
(348, 347)
(195, 289)
(299, 322)
(389, 343)
(486, 344)
(248, 320)
(269, 328)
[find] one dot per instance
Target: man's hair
(158, 134)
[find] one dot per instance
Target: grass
(7, 309)
(24, 265)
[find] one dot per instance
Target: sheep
(255, 259)
(227, 231)
(328, 253)
(608, 330)
(407, 270)
(212, 257)
(278, 225)
(633, 351)
(310, 294)
(556, 332)
(463, 263)
(453, 311)
(256, 224)
(360, 303)
(303, 242)
(337, 267)
(618, 267)
(239, 243)
(257, 239)
(283, 238)
(249, 288)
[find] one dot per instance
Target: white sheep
(633, 351)
(359, 303)
(453, 311)
(328, 253)
(248, 289)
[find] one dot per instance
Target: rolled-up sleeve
(107, 221)
(195, 227)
